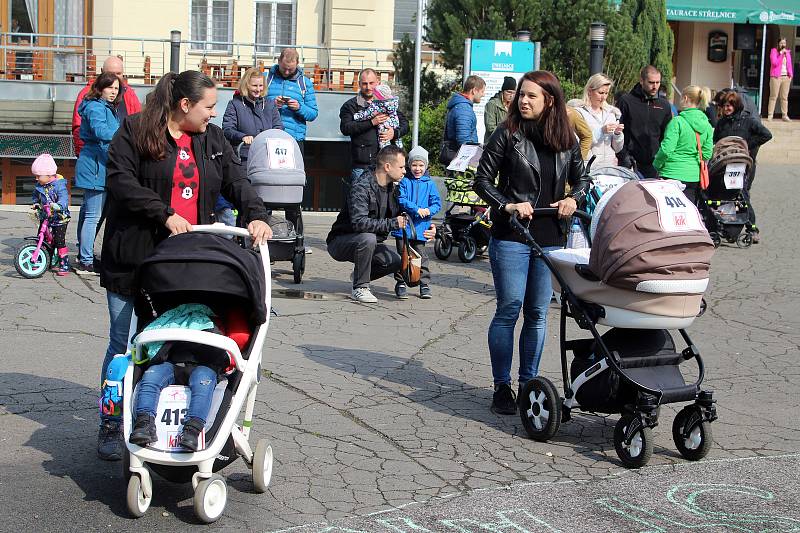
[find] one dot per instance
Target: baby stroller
(470, 231)
(275, 168)
(201, 267)
(725, 203)
(641, 280)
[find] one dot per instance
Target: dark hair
(388, 154)
(473, 82)
(151, 138)
(649, 69)
(733, 98)
(557, 133)
(103, 81)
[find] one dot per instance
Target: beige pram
(645, 274)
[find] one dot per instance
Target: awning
(742, 11)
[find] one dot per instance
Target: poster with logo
(493, 61)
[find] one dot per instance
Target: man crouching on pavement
(371, 213)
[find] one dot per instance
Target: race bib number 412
(675, 212)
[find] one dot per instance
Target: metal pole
(597, 47)
(761, 72)
(175, 51)
(417, 69)
(467, 58)
(537, 55)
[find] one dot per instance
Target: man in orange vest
(129, 103)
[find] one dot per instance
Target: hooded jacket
(298, 88)
(415, 194)
(604, 145)
(677, 158)
(53, 192)
(743, 124)
(128, 106)
(493, 115)
(461, 124)
(98, 125)
(244, 117)
(645, 121)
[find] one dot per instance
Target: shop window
(275, 25)
(212, 25)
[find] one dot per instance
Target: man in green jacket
(497, 108)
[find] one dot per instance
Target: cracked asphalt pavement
(379, 414)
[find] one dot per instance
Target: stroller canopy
(203, 263)
(648, 237)
(275, 167)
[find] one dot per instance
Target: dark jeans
(372, 260)
(692, 191)
(419, 246)
(201, 382)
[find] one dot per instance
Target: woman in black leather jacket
(535, 155)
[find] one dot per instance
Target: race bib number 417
(675, 212)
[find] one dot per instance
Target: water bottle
(576, 238)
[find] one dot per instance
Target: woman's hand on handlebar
(259, 231)
(247, 139)
(522, 209)
(566, 207)
(176, 224)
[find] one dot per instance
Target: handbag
(410, 259)
(704, 179)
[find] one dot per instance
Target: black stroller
(470, 231)
(725, 203)
(275, 168)
(632, 368)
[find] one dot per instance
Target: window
(275, 25)
(211, 23)
(405, 18)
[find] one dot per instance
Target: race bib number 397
(675, 212)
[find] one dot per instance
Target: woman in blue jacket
(248, 114)
(419, 198)
(98, 125)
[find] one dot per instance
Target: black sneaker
(425, 292)
(144, 431)
(85, 269)
(401, 290)
(190, 435)
(109, 441)
(504, 402)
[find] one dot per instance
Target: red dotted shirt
(185, 181)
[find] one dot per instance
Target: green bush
(431, 133)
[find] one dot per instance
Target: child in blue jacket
(419, 198)
(51, 191)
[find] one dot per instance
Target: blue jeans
(201, 382)
(120, 309)
(87, 224)
(520, 282)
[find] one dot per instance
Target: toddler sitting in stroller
(197, 364)
(383, 104)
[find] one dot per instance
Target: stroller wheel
(298, 267)
(691, 434)
(443, 247)
(744, 240)
(467, 249)
(210, 498)
(540, 408)
(262, 466)
(715, 238)
(636, 452)
(137, 502)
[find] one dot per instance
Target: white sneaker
(309, 250)
(363, 295)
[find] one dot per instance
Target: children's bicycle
(36, 254)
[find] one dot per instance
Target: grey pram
(276, 170)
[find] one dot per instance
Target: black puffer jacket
(363, 135)
(139, 191)
(514, 158)
(744, 125)
(645, 121)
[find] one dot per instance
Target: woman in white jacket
(603, 119)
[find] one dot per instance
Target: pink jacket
(775, 64)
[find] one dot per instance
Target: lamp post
(175, 51)
(417, 69)
(597, 47)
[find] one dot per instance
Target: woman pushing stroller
(169, 137)
(535, 154)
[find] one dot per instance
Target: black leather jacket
(513, 157)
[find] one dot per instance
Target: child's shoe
(425, 292)
(144, 431)
(190, 436)
(401, 290)
(63, 266)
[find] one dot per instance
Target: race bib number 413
(170, 416)
(675, 212)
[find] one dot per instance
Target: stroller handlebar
(199, 337)
(219, 228)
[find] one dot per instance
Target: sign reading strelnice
(493, 61)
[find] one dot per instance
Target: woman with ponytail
(678, 158)
(535, 154)
(166, 167)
